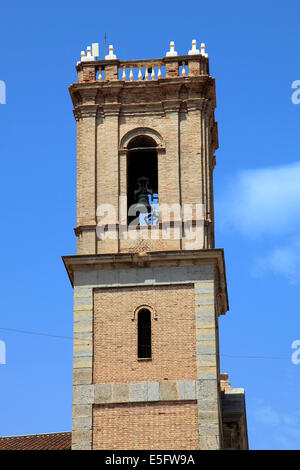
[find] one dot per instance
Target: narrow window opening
(144, 334)
(142, 181)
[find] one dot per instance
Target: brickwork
(179, 112)
(160, 426)
(173, 334)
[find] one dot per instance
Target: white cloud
(267, 415)
(265, 203)
(283, 427)
(284, 260)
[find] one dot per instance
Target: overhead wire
(234, 356)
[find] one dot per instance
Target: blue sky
(254, 56)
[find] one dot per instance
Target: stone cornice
(111, 109)
(172, 105)
(214, 256)
(194, 104)
(85, 111)
(84, 227)
(200, 86)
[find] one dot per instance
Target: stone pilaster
(207, 366)
(108, 172)
(86, 178)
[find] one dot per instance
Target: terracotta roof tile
(52, 441)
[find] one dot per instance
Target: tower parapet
(194, 64)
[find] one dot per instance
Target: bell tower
(149, 284)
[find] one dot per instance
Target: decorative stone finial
(111, 55)
(89, 52)
(203, 50)
(194, 50)
(171, 52)
(88, 56)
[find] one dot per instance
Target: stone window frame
(142, 131)
(144, 307)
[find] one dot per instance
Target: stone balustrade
(171, 66)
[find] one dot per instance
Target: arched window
(144, 334)
(142, 181)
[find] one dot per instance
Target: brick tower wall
(173, 335)
(178, 113)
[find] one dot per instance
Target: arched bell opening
(142, 181)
